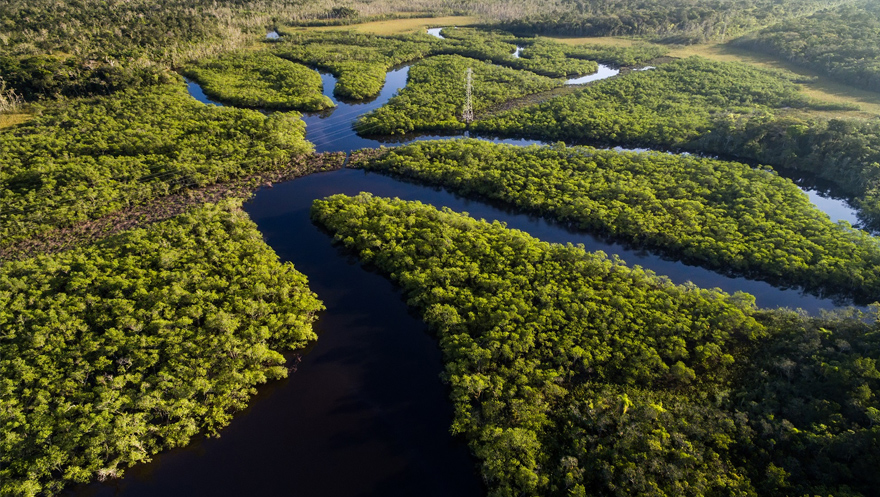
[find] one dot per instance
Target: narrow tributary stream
(365, 413)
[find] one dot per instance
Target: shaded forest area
(676, 21)
(573, 374)
(843, 43)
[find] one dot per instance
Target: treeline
(81, 159)
(676, 21)
(114, 352)
(95, 47)
(572, 374)
(36, 77)
(259, 80)
(843, 43)
(434, 96)
(716, 108)
(722, 215)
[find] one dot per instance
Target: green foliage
(571, 373)
(434, 96)
(844, 152)
(668, 21)
(532, 332)
(812, 398)
(636, 54)
(81, 159)
(843, 43)
(544, 57)
(88, 47)
(716, 108)
(670, 105)
(722, 215)
(261, 80)
(40, 76)
(359, 61)
(112, 353)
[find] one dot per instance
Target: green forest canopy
(260, 80)
(572, 373)
(716, 108)
(81, 159)
(116, 351)
(722, 215)
(843, 43)
(434, 96)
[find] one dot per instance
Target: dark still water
(365, 414)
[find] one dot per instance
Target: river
(365, 414)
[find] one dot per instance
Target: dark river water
(365, 414)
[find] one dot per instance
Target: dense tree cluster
(85, 47)
(842, 42)
(722, 215)
(359, 61)
(114, 352)
(844, 152)
(675, 21)
(523, 324)
(80, 159)
(572, 374)
(35, 77)
(260, 80)
(434, 96)
(716, 108)
(670, 105)
(544, 57)
(633, 55)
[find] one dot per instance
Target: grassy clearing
(9, 120)
(598, 40)
(822, 88)
(402, 26)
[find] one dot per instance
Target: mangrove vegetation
(260, 80)
(723, 215)
(85, 158)
(113, 352)
(573, 374)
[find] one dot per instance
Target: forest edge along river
(366, 413)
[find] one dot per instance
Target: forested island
(146, 294)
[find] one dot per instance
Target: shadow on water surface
(365, 414)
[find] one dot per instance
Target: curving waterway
(365, 414)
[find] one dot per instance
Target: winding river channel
(365, 414)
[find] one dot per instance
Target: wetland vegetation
(86, 158)
(260, 80)
(140, 307)
(570, 371)
(135, 344)
(723, 215)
